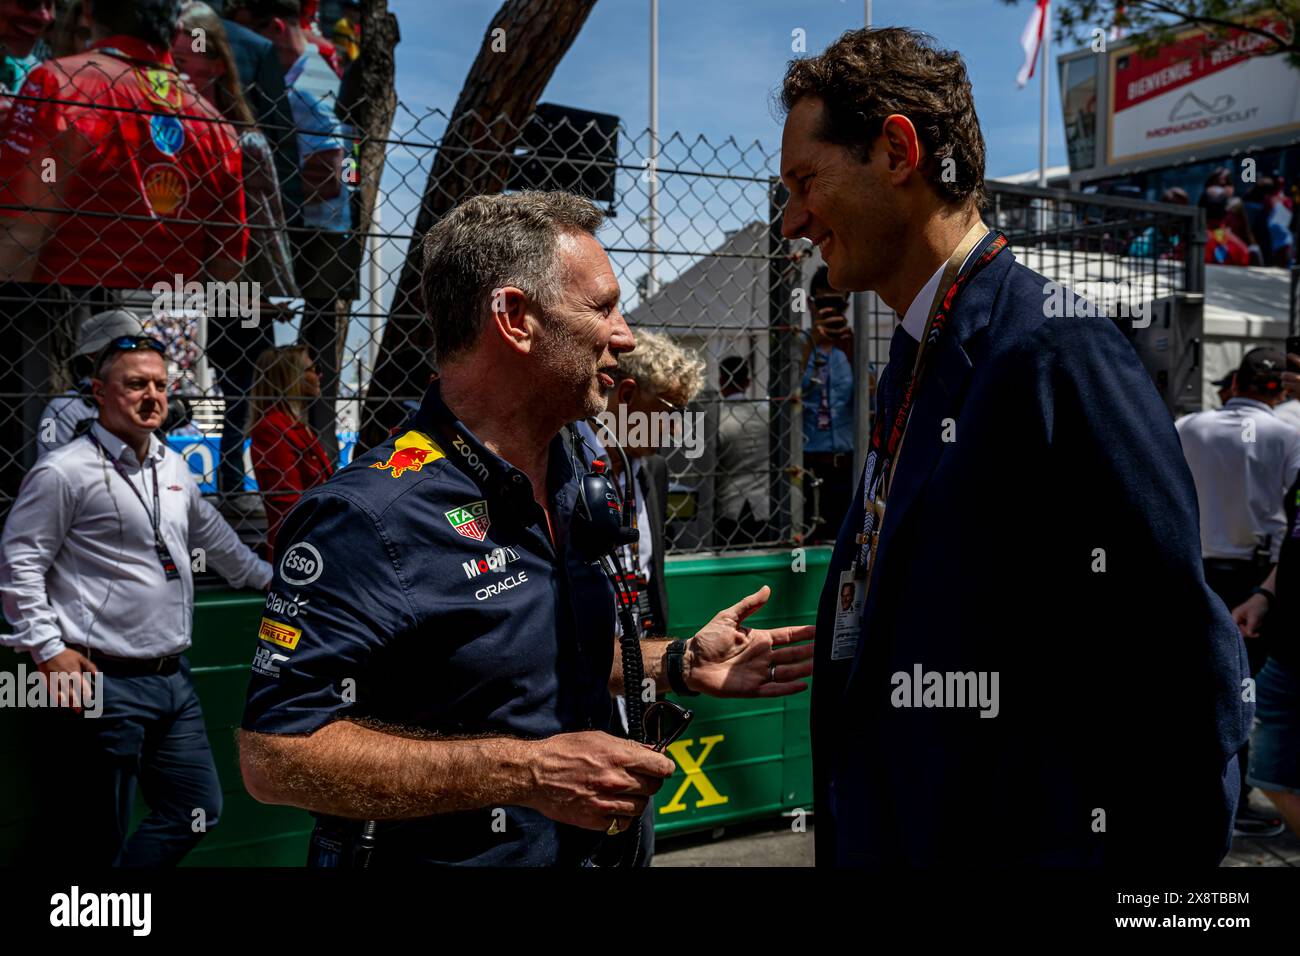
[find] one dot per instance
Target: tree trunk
(373, 115)
(499, 94)
(366, 102)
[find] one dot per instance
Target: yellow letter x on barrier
(695, 777)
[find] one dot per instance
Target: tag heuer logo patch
(471, 520)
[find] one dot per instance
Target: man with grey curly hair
(445, 585)
(660, 366)
(647, 412)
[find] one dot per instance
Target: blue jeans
(1275, 736)
(151, 732)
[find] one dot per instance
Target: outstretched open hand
(728, 659)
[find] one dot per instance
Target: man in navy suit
(1032, 671)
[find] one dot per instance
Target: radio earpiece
(602, 523)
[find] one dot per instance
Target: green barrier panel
(740, 759)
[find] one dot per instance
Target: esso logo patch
(301, 564)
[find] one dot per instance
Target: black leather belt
(130, 666)
(836, 459)
(1228, 564)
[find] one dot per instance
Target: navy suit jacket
(1120, 696)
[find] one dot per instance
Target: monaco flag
(1031, 39)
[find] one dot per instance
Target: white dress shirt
(1240, 483)
(919, 311)
(79, 563)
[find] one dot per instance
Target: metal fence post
(783, 380)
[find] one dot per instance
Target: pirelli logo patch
(278, 633)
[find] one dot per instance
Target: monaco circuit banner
(1199, 91)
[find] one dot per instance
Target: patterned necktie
(902, 355)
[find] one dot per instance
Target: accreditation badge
(849, 597)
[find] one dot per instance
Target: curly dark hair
(866, 75)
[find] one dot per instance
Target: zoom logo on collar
(471, 458)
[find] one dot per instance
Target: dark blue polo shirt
(419, 587)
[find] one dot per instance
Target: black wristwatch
(673, 664)
(1269, 596)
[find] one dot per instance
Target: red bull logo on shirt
(411, 452)
(471, 520)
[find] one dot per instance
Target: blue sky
(719, 63)
(720, 60)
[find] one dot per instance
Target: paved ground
(772, 843)
(1279, 851)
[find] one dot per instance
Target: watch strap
(674, 658)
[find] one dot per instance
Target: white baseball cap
(102, 327)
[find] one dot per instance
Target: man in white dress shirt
(1243, 458)
(96, 581)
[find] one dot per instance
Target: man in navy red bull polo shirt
(436, 656)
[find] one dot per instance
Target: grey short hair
(658, 363)
(487, 243)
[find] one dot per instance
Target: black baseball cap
(1261, 369)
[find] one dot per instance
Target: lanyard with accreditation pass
(887, 440)
(882, 460)
(169, 569)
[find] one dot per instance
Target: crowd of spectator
(169, 142)
(1254, 230)
(1250, 230)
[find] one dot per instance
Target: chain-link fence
(234, 241)
(1132, 260)
(121, 187)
